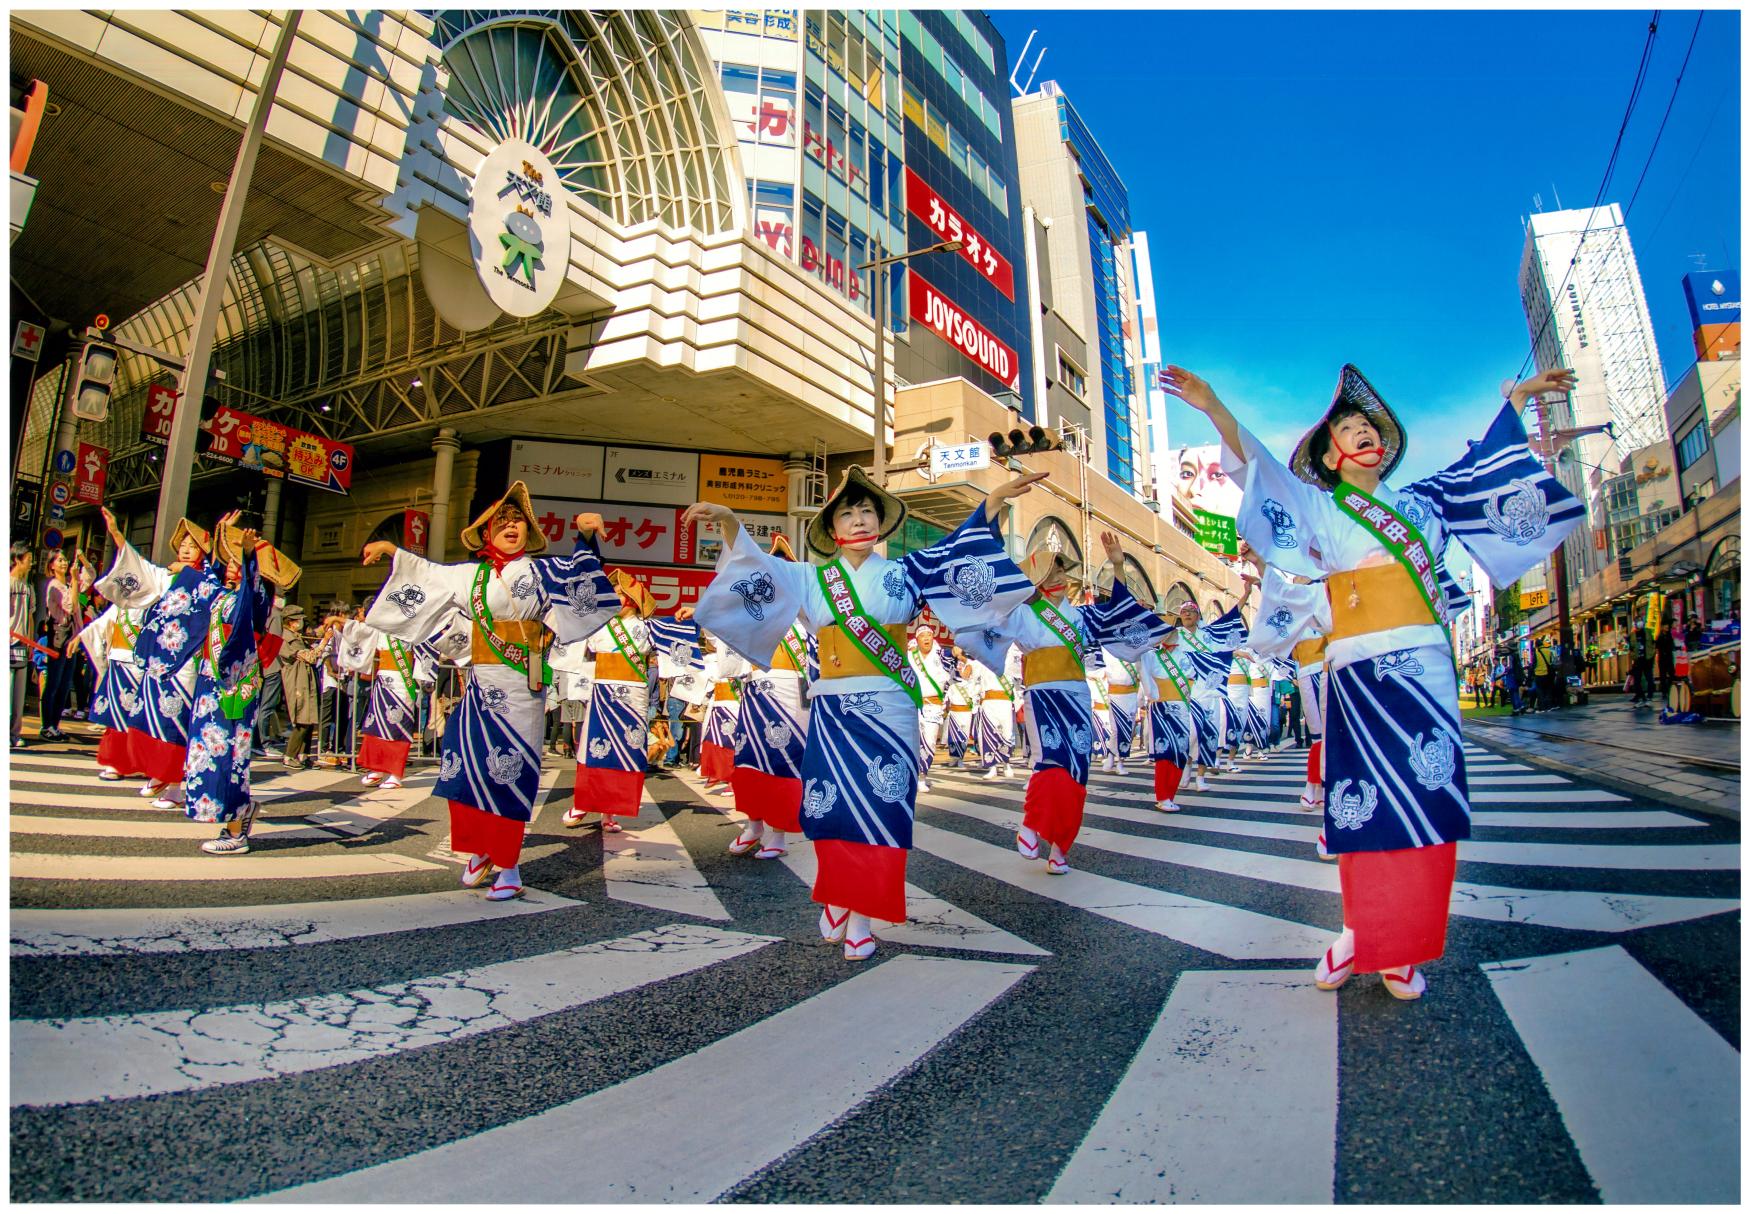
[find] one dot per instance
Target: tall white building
(1585, 309)
(1160, 484)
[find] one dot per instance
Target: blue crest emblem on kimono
(893, 584)
(581, 597)
(601, 748)
(523, 587)
(451, 766)
(496, 699)
(755, 592)
(1519, 514)
(1280, 619)
(887, 780)
(972, 582)
(1398, 661)
(1050, 737)
(1434, 762)
(128, 582)
(818, 798)
(1281, 523)
(504, 765)
(408, 598)
(863, 702)
(778, 734)
(1416, 509)
(1134, 635)
(1351, 810)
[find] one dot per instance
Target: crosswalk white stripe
(1226, 931)
(648, 865)
(1482, 796)
(102, 1058)
(98, 933)
(251, 867)
(930, 921)
(1579, 910)
(1296, 779)
(1648, 1091)
(692, 1129)
(1232, 1098)
(178, 830)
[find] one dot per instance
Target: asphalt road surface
(331, 1018)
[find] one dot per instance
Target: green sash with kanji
(1130, 669)
(796, 645)
(1171, 666)
(508, 652)
(865, 634)
(1065, 631)
(403, 661)
(1399, 537)
(130, 630)
(623, 642)
(924, 667)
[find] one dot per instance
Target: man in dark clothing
(1640, 648)
(1666, 650)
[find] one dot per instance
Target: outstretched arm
(1557, 379)
(1177, 381)
(721, 516)
(1008, 490)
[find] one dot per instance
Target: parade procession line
(97, 933)
(1231, 1098)
(694, 1128)
(183, 830)
(1576, 910)
(1649, 1092)
(103, 1058)
(1225, 931)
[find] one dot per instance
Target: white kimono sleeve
(133, 581)
(357, 651)
(1281, 516)
(1150, 668)
(580, 598)
(753, 599)
(1288, 613)
(94, 639)
(418, 596)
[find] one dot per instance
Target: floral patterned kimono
(772, 733)
(993, 717)
(1122, 680)
(725, 670)
(158, 738)
(492, 741)
(1397, 800)
(227, 694)
(1059, 644)
(613, 749)
(117, 704)
(397, 671)
(861, 763)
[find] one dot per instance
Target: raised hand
(683, 614)
(1114, 547)
(589, 524)
(376, 551)
(110, 525)
(1556, 379)
(1008, 490)
(1177, 381)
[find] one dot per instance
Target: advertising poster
(1212, 498)
(571, 471)
(90, 473)
(246, 441)
(641, 474)
(744, 482)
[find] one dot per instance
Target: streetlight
(878, 281)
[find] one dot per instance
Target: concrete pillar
(796, 469)
(445, 445)
(270, 510)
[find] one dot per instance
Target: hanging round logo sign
(521, 228)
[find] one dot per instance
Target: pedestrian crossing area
(658, 1021)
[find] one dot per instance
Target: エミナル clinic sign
(930, 308)
(520, 222)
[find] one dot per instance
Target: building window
(1071, 377)
(1692, 446)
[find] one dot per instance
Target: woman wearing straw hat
(614, 742)
(118, 703)
(1059, 641)
(861, 764)
(159, 744)
(221, 732)
(770, 738)
(396, 671)
(511, 597)
(1397, 802)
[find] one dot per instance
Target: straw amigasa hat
(633, 591)
(1353, 392)
(203, 539)
(1041, 560)
(474, 534)
(819, 535)
(781, 547)
(275, 565)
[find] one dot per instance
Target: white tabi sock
(509, 876)
(772, 838)
(858, 928)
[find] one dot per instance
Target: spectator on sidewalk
(1692, 632)
(1514, 680)
(1667, 656)
(61, 611)
(298, 660)
(20, 623)
(1543, 675)
(1640, 673)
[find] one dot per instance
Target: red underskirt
(861, 877)
(1397, 903)
(1315, 768)
(157, 760)
(474, 832)
(1053, 809)
(115, 750)
(767, 798)
(379, 754)
(1167, 777)
(608, 790)
(716, 763)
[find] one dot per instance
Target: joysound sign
(521, 228)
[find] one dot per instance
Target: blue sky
(1321, 188)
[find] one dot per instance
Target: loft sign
(520, 228)
(942, 317)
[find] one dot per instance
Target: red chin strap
(855, 539)
(1358, 458)
(500, 559)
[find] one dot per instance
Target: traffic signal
(95, 381)
(1024, 442)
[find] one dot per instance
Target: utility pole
(878, 282)
(179, 452)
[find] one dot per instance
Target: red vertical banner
(415, 530)
(90, 473)
(159, 414)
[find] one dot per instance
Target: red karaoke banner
(90, 473)
(159, 414)
(930, 308)
(277, 450)
(946, 223)
(670, 587)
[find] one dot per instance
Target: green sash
(403, 662)
(234, 698)
(623, 642)
(871, 638)
(1400, 538)
(1064, 630)
(508, 652)
(1171, 665)
(796, 645)
(924, 667)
